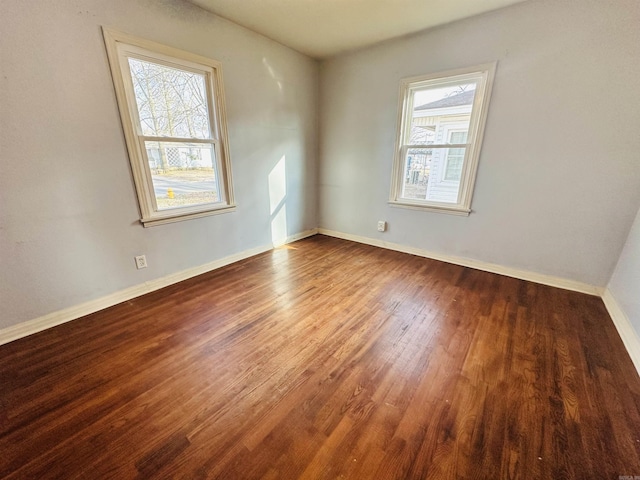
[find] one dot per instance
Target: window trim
(118, 45)
(485, 74)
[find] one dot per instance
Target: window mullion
(149, 138)
(440, 145)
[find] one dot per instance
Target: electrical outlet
(382, 226)
(141, 262)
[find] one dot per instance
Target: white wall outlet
(141, 262)
(382, 226)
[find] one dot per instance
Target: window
(440, 127)
(172, 109)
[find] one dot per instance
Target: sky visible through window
(422, 97)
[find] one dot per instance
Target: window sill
(452, 210)
(171, 217)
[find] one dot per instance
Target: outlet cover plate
(141, 262)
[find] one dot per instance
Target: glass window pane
(438, 107)
(171, 102)
(433, 174)
(183, 174)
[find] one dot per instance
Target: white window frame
(483, 76)
(120, 47)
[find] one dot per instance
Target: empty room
(320, 239)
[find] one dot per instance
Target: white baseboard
(30, 327)
(295, 237)
(468, 262)
(625, 329)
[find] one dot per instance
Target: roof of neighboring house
(464, 98)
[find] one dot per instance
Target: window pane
(433, 174)
(183, 174)
(171, 102)
(434, 109)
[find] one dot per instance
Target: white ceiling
(322, 28)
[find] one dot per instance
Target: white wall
(68, 215)
(624, 285)
(559, 177)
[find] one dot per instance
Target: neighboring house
(440, 122)
(163, 157)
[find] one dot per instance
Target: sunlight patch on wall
(277, 198)
(272, 73)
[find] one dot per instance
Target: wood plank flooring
(327, 359)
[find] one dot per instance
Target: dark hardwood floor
(327, 359)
